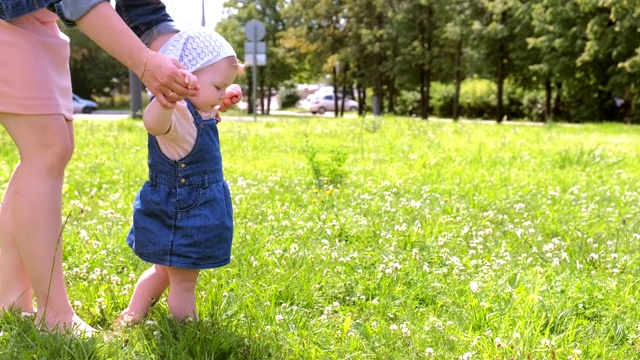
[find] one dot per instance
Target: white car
(84, 106)
(321, 103)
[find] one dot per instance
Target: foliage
(327, 164)
(582, 52)
(445, 240)
(408, 103)
(288, 95)
(476, 101)
(119, 101)
(579, 55)
(93, 71)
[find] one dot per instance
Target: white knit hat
(198, 47)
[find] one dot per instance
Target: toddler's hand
(190, 79)
(233, 96)
(191, 82)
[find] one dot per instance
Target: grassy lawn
(377, 239)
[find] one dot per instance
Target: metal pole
(135, 90)
(255, 72)
(202, 22)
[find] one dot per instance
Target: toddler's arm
(157, 117)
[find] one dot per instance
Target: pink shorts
(34, 66)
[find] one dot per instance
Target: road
(104, 115)
(122, 114)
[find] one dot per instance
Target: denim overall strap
(203, 160)
(207, 149)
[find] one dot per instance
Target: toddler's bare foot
(128, 317)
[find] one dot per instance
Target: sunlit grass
(431, 239)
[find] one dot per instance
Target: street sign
(255, 53)
(258, 48)
(254, 29)
(261, 59)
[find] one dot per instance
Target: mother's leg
(31, 218)
(15, 287)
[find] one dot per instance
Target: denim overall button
(182, 165)
(183, 181)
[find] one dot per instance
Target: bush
(442, 99)
(119, 101)
(533, 105)
(288, 98)
(478, 99)
(407, 103)
(288, 95)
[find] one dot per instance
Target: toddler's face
(214, 80)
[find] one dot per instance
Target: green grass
(371, 239)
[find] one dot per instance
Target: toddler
(182, 216)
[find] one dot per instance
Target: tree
(501, 38)
(278, 68)
(93, 70)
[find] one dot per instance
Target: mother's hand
(163, 77)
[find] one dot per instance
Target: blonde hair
(234, 61)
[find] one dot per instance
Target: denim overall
(182, 216)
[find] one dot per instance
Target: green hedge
(477, 101)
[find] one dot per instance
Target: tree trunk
(547, 101)
(500, 83)
(362, 99)
(344, 88)
(557, 103)
(458, 74)
(429, 70)
(344, 98)
(251, 105)
(501, 73)
(269, 91)
(391, 92)
(427, 96)
(261, 88)
(335, 92)
(377, 97)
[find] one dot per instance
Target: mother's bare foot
(24, 310)
(77, 326)
(81, 328)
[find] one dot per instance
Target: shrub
(119, 101)
(408, 103)
(478, 99)
(288, 94)
(288, 98)
(442, 99)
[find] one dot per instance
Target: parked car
(325, 102)
(84, 106)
